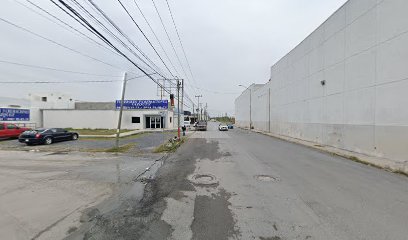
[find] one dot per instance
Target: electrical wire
(69, 82)
(144, 35)
(102, 13)
(56, 43)
(55, 69)
(62, 24)
(168, 37)
(95, 31)
(156, 37)
(181, 43)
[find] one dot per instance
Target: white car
(187, 124)
(223, 127)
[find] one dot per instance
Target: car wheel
(75, 137)
(47, 141)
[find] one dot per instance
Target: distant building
(137, 114)
(61, 110)
(344, 86)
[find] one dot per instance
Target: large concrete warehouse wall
(361, 53)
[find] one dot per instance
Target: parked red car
(10, 130)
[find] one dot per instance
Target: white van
(186, 122)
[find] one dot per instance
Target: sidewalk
(129, 133)
(383, 163)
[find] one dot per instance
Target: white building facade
(105, 115)
(344, 86)
(60, 110)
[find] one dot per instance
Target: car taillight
(37, 135)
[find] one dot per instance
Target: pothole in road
(204, 179)
(266, 178)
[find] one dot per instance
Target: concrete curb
(394, 166)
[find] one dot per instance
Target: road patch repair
(53, 191)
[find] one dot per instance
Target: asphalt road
(244, 185)
(47, 195)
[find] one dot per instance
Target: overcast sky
(227, 42)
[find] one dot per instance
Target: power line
(69, 82)
(163, 87)
(156, 37)
(168, 37)
(171, 43)
(109, 43)
(58, 82)
(55, 69)
(181, 43)
(144, 35)
(56, 43)
(61, 23)
(102, 13)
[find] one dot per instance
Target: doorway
(154, 122)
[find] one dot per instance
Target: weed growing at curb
(169, 146)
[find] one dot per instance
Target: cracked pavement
(243, 185)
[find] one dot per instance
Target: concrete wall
(106, 119)
(361, 52)
(51, 101)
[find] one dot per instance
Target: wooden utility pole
(121, 109)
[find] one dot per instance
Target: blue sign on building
(143, 104)
(14, 114)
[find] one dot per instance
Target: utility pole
(198, 105)
(182, 98)
(205, 112)
(178, 109)
(201, 111)
(193, 111)
(121, 109)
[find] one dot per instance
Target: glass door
(154, 122)
(158, 122)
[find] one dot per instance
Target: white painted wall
(106, 119)
(361, 52)
(52, 101)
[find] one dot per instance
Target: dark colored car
(201, 126)
(10, 130)
(230, 126)
(47, 136)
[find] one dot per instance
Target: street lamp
(250, 105)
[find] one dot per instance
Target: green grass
(169, 147)
(88, 131)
